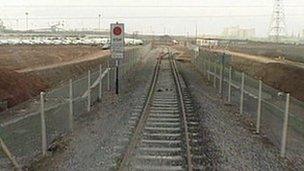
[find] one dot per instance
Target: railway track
(165, 133)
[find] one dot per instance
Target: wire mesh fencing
(37, 123)
(275, 113)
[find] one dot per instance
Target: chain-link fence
(37, 123)
(275, 113)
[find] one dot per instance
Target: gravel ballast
(100, 136)
(235, 145)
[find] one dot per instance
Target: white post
(221, 80)
(242, 93)
(202, 66)
(100, 82)
(208, 74)
(229, 84)
(258, 122)
(89, 91)
(285, 126)
(205, 66)
(214, 76)
(71, 113)
(43, 126)
(109, 72)
(9, 155)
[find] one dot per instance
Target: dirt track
(18, 57)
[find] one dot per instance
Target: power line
(147, 17)
(143, 6)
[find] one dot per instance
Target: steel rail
(183, 110)
(141, 123)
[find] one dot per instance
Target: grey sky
(84, 13)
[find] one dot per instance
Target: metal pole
(259, 107)
(71, 113)
(43, 126)
(109, 79)
(99, 17)
(285, 126)
(26, 21)
(100, 82)
(116, 77)
(89, 91)
(229, 84)
(242, 94)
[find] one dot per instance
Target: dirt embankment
(282, 75)
(272, 50)
(16, 87)
(26, 70)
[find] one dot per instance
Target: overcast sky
(173, 17)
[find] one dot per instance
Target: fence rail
(275, 113)
(52, 114)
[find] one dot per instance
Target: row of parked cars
(64, 41)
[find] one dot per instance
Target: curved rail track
(165, 134)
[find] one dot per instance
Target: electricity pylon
(277, 25)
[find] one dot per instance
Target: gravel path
(100, 135)
(234, 145)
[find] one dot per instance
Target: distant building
(238, 33)
(207, 42)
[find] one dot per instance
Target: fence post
(208, 70)
(71, 113)
(9, 155)
(242, 93)
(43, 126)
(285, 126)
(259, 107)
(205, 65)
(229, 84)
(221, 79)
(89, 91)
(201, 65)
(100, 82)
(214, 75)
(109, 72)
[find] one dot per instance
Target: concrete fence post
(71, 113)
(205, 66)
(221, 79)
(89, 91)
(242, 94)
(100, 83)
(9, 155)
(214, 75)
(43, 125)
(229, 84)
(201, 65)
(208, 69)
(285, 126)
(109, 75)
(258, 122)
